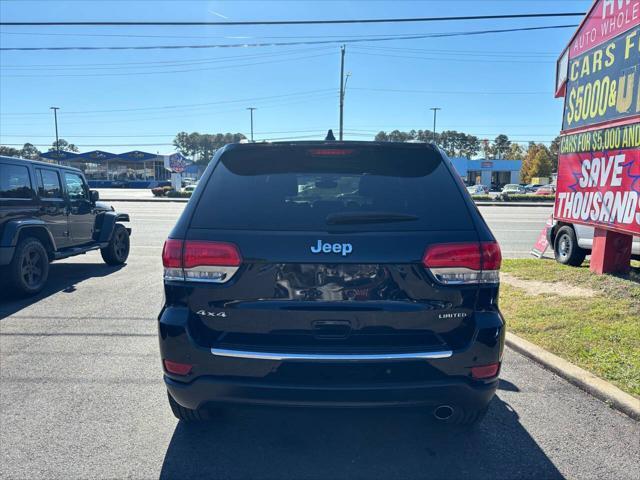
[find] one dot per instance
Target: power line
(488, 53)
(454, 92)
(182, 105)
(294, 22)
(230, 37)
(465, 60)
(208, 113)
(206, 60)
(149, 135)
(317, 135)
(163, 63)
(279, 44)
(164, 72)
(295, 97)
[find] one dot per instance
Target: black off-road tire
(186, 414)
(117, 252)
(29, 268)
(566, 248)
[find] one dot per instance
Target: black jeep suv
(331, 273)
(47, 213)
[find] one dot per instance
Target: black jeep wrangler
(47, 212)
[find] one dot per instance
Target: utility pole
(55, 119)
(251, 109)
(342, 49)
(435, 114)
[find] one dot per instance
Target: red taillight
(177, 368)
(201, 254)
(459, 263)
(491, 255)
(485, 371)
(200, 261)
(172, 253)
(476, 256)
(458, 255)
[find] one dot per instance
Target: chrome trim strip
(227, 274)
(223, 352)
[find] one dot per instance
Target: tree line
(30, 151)
(201, 146)
(538, 160)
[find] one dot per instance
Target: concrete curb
(599, 388)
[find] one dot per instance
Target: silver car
(571, 243)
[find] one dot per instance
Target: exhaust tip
(443, 412)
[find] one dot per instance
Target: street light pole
(55, 119)
(342, 50)
(435, 114)
(251, 109)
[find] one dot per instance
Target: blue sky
(139, 99)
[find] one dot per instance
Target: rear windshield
(354, 189)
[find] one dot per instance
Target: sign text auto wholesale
(599, 164)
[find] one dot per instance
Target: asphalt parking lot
(82, 396)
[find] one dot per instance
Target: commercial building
(495, 173)
(133, 169)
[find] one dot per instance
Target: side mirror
(94, 196)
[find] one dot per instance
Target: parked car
(478, 190)
(545, 190)
(513, 189)
(532, 187)
(376, 286)
(190, 188)
(571, 243)
(47, 212)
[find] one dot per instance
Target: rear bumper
(274, 380)
(204, 391)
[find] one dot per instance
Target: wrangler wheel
(29, 268)
(117, 252)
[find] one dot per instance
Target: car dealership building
(488, 172)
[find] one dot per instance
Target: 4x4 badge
(204, 313)
(342, 248)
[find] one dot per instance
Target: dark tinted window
(286, 188)
(49, 184)
(75, 186)
(15, 182)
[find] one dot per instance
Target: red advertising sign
(606, 20)
(601, 186)
(542, 244)
(599, 163)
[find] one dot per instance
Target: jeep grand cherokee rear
(334, 274)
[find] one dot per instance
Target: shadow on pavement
(351, 444)
(63, 277)
(507, 386)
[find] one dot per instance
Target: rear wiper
(369, 217)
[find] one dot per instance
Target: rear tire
(117, 252)
(186, 414)
(29, 268)
(566, 248)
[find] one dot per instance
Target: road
(516, 228)
(82, 397)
